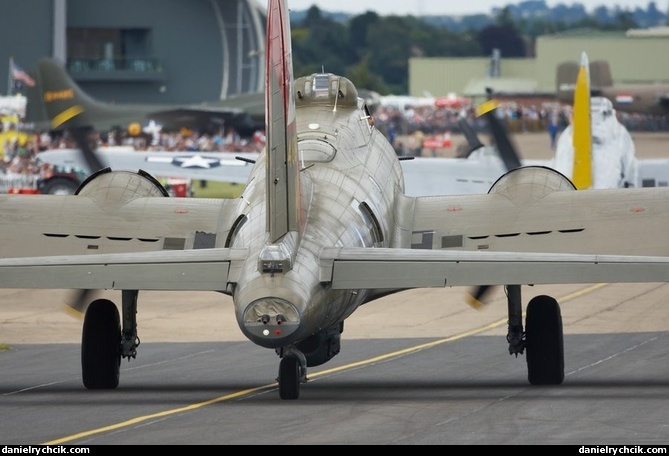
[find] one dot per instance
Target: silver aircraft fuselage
(349, 177)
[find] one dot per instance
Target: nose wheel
(292, 372)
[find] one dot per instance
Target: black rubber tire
(544, 342)
(60, 186)
(289, 378)
(101, 346)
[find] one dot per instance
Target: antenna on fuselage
(334, 108)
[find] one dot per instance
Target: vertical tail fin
(283, 199)
(66, 105)
(566, 74)
(582, 126)
(600, 74)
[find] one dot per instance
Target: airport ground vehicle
(55, 181)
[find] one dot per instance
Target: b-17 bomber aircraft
(322, 228)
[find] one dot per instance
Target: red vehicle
(60, 181)
(55, 181)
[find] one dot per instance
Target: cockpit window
(321, 86)
(326, 89)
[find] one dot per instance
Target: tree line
(374, 50)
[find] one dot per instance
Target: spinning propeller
(470, 135)
(83, 136)
(74, 113)
(500, 136)
(511, 159)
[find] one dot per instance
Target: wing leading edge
(192, 270)
(357, 268)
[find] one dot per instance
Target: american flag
(19, 75)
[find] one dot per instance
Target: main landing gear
(100, 346)
(104, 342)
(543, 337)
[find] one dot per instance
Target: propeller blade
(506, 148)
(79, 299)
(511, 159)
(470, 135)
(82, 136)
(78, 302)
(476, 299)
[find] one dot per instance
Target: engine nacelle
(120, 186)
(530, 183)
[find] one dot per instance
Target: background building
(189, 51)
(635, 57)
(153, 51)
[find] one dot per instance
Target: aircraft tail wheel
(289, 378)
(544, 342)
(101, 345)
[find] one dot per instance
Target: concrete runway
(417, 367)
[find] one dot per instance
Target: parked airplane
(612, 152)
(57, 93)
(639, 98)
(599, 147)
(211, 166)
(322, 228)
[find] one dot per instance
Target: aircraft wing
(357, 268)
(428, 176)
(486, 239)
(450, 176)
(203, 269)
(134, 242)
(343, 268)
(196, 116)
(214, 166)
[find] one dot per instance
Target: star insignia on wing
(196, 161)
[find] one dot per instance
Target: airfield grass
(213, 189)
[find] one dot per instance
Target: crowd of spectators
(20, 150)
(519, 118)
(412, 124)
